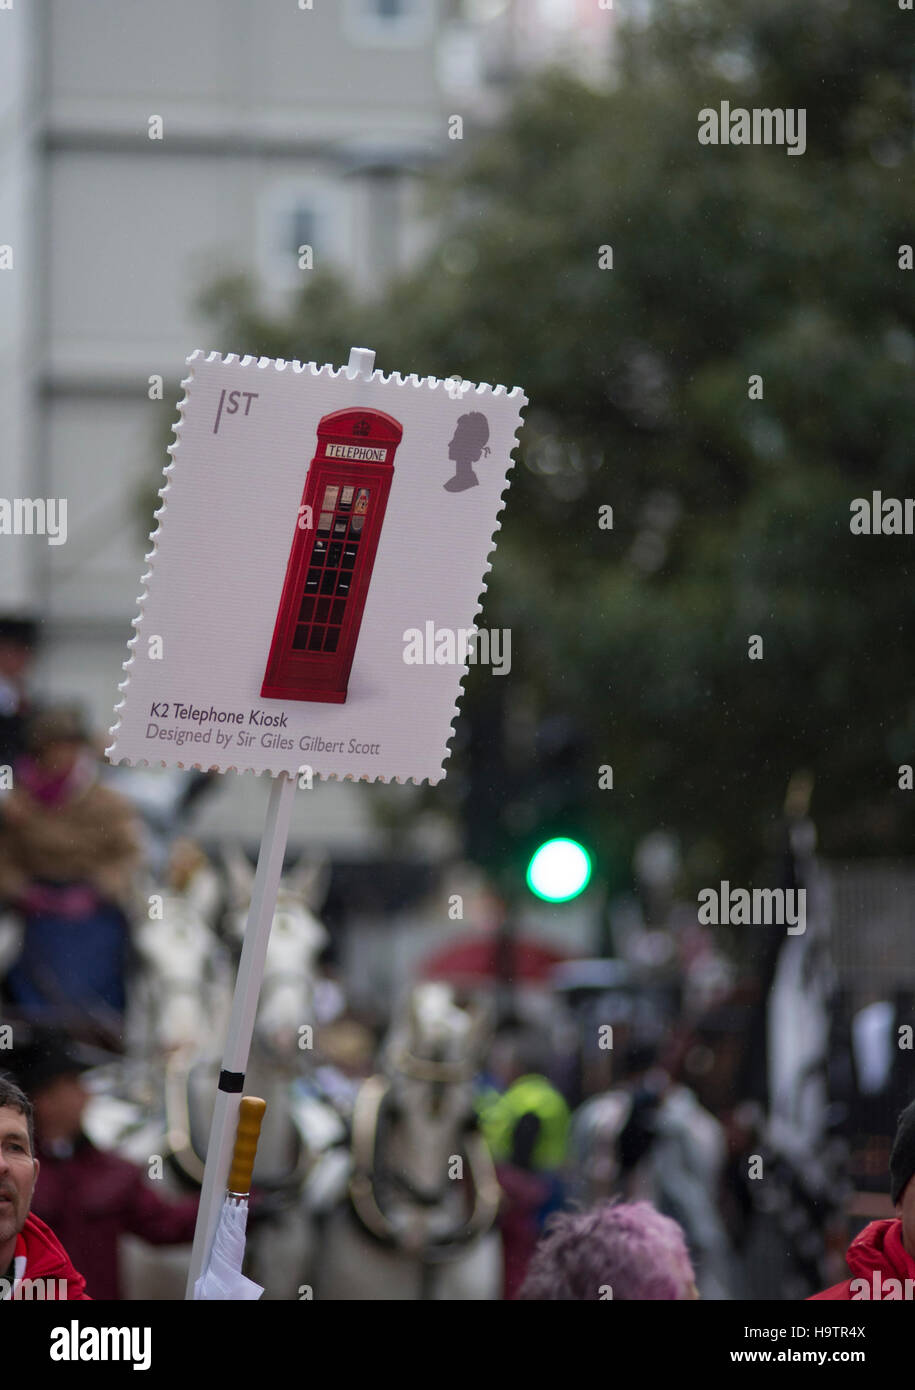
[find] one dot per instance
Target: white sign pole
(248, 986)
(241, 1022)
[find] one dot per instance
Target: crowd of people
(621, 1251)
(614, 1193)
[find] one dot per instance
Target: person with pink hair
(621, 1251)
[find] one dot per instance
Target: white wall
(17, 558)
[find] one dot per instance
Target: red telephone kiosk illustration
(330, 564)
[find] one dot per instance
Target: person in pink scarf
(68, 849)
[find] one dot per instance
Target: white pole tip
(361, 362)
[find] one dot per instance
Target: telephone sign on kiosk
(330, 564)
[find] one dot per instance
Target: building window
(389, 23)
(293, 217)
(302, 229)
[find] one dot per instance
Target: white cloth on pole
(222, 1278)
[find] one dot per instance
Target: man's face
(905, 1210)
(18, 1173)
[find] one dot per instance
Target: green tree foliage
(731, 515)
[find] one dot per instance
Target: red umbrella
(469, 960)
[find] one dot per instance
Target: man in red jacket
(882, 1256)
(29, 1250)
(90, 1196)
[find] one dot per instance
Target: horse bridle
(422, 1069)
(366, 1116)
(277, 978)
(178, 1129)
(178, 1118)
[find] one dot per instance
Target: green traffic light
(559, 871)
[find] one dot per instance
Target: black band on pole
(231, 1081)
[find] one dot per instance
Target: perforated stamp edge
(477, 393)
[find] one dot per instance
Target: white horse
(179, 998)
(416, 1218)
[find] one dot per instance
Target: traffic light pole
(505, 958)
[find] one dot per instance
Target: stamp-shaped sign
(315, 581)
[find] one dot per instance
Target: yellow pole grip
(250, 1119)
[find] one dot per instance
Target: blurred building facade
(488, 46)
(282, 125)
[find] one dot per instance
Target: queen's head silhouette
(468, 444)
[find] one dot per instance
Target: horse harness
(374, 1108)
